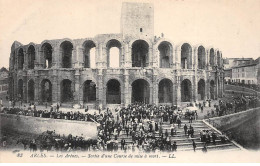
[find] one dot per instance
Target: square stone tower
(137, 20)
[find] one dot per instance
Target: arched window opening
(140, 91)
(31, 57)
(140, 57)
(113, 92)
(201, 57)
(89, 54)
(66, 91)
(186, 56)
(89, 93)
(47, 55)
(20, 59)
(66, 51)
(31, 91)
(201, 90)
(165, 91)
(46, 90)
(211, 57)
(165, 54)
(186, 91)
(113, 53)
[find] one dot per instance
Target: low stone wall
(36, 125)
(228, 121)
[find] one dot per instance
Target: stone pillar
(155, 89)
(150, 56)
(178, 90)
(195, 81)
(37, 61)
(127, 98)
(56, 59)
(77, 87)
(55, 87)
(25, 62)
(104, 56)
(156, 59)
(128, 58)
(101, 88)
(151, 95)
(36, 87)
(25, 85)
(178, 58)
(79, 57)
(121, 57)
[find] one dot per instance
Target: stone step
(221, 146)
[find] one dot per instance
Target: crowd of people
(53, 113)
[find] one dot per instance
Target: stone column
(37, 61)
(36, 86)
(156, 59)
(121, 57)
(101, 88)
(79, 57)
(151, 95)
(195, 67)
(178, 90)
(178, 58)
(126, 88)
(56, 59)
(128, 58)
(77, 87)
(155, 89)
(25, 84)
(55, 87)
(150, 55)
(104, 56)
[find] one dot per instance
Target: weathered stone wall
(232, 120)
(36, 125)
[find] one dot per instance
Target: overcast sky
(233, 26)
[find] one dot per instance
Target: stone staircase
(183, 142)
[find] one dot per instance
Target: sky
(232, 26)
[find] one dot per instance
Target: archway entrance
(113, 92)
(140, 91)
(66, 91)
(186, 91)
(66, 52)
(165, 91)
(46, 90)
(201, 90)
(212, 90)
(140, 58)
(31, 91)
(89, 93)
(47, 55)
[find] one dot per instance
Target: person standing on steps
(185, 129)
(194, 145)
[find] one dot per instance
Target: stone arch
(114, 43)
(89, 58)
(212, 89)
(20, 58)
(140, 53)
(186, 56)
(165, 91)
(46, 90)
(140, 91)
(165, 49)
(66, 48)
(89, 91)
(201, 57)
(46, 50)
(31, 56)
(113, 92)
(201, 89)
(212, 57)
(186, 90)
(66, 91)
